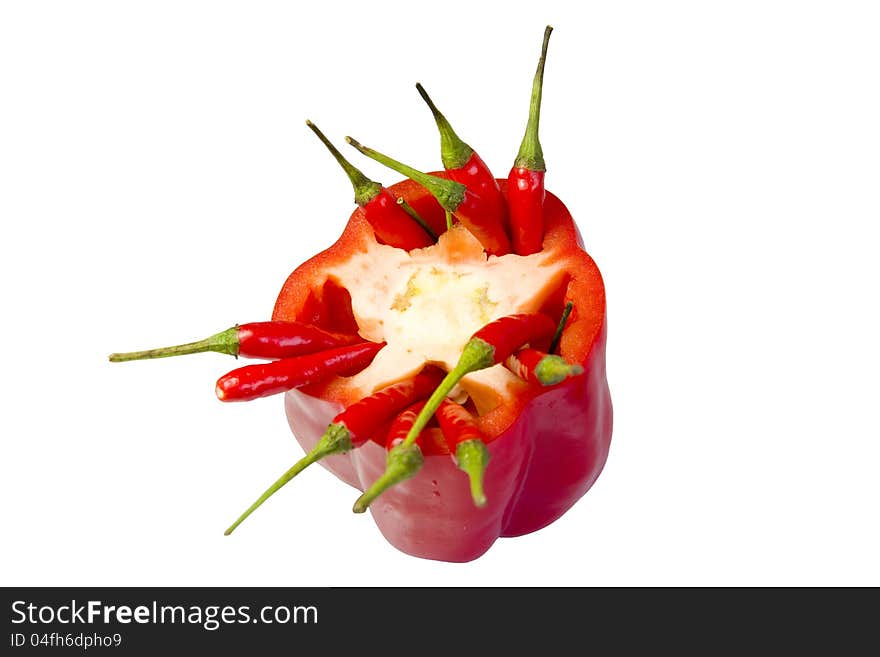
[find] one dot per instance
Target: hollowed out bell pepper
(547, 444)
(424, 306)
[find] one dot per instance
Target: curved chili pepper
(391, 224)
(253, 381)
(525, 191)
(467, 443)
(464, 166)
(253, 340)
(542, 368)
(403, 461)
(455, 198)
(353, 427)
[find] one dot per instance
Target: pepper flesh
(540, 466)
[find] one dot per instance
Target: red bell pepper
(465, 166)
(497, 424)
(547, 444)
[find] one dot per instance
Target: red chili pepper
(254, 340)
(542, 368)
(402, 424)
(467, 443)
(525, 189)
(354, 426)
(391, 224)
(453, 197)
(464, 166)
(253, 381)
(361, 420)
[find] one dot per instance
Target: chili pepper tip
(336, 440)
(472, 457)
(403, 462)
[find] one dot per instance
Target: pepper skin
(547, 445)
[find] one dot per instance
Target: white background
(157, 184)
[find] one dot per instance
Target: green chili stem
(365, 190)
(225, 342)
(448, 193)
